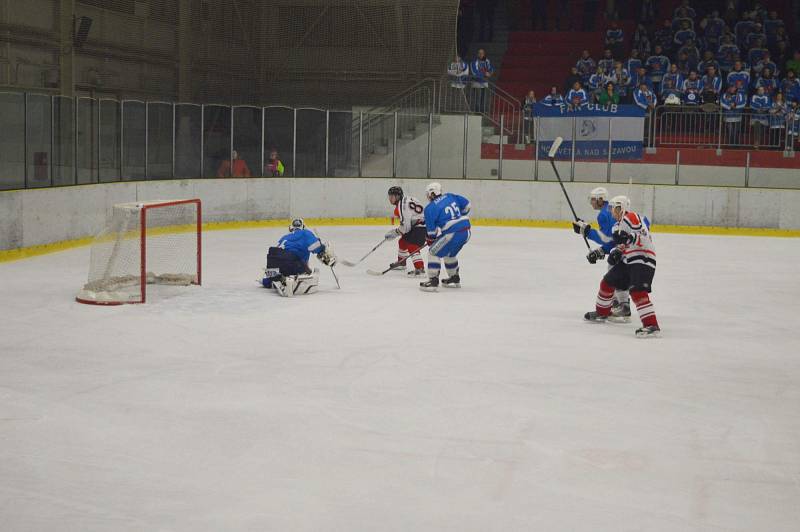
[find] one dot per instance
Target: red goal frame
(143, 249)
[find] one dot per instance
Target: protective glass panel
(377, 145)
(343, 144)
(134, 136)
(448, 145)
(63, 141)
(278, 141)
(87, 140)
(39, 140)
(310, 142)
(483, 151)
(109, 141)
(519, 145)
(548, 129)
(247, 141)
(188, 133)
(412, 145)
(159, 140)
(217, 141)
(12, 141)
(594, 143)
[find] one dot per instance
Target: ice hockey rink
(380, 407)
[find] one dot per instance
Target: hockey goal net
(150, 242)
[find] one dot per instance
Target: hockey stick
(335, 278)
(396, 264)
(359, 261)
(551, 155)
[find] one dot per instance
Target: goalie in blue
(287, 269)
(447, 223)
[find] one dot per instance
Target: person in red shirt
(237, 169)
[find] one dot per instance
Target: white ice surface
(380, 407)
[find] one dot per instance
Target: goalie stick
(551, 155)
(335, 277)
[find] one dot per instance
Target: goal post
(145, 242)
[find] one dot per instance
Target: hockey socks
(645, 309)
(604, 296)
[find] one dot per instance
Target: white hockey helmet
(297, 225)
(622, 202)
(433, 190)
(599, 193)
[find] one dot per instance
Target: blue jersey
(602, 235)
(301, 243)
(449, 212)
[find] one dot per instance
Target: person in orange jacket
(240, 168)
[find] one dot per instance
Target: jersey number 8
(414, 207)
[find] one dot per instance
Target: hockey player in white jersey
(411, 230)
(598, 198)
(633, 261)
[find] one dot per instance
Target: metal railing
(49, 140)
(710, 126)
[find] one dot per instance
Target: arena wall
(39, 217)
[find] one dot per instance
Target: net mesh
(170, 244)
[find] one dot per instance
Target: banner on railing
(591, 126)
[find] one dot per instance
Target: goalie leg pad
(297, 285)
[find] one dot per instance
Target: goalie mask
(297, 225)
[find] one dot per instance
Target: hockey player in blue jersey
(603, 237)
(447, 223)
(287, 269)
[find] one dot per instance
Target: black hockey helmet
(395, 191)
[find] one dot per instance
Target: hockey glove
(326, 256)
(391, 235)
(429, 240)
(623, 238)
(615, 256)
(595, 255)
(580, 227)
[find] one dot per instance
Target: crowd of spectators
(739, 60)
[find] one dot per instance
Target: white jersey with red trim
(410, 213)
(635, 240)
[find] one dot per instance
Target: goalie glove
(581, 228)
(327, 256)
(615, 257)
(391, 235)
(595, 255)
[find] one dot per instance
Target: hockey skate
(416, 272)
(431, 285)
(594, 317)
(620, 313)
(454, 281)
(651, 331)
